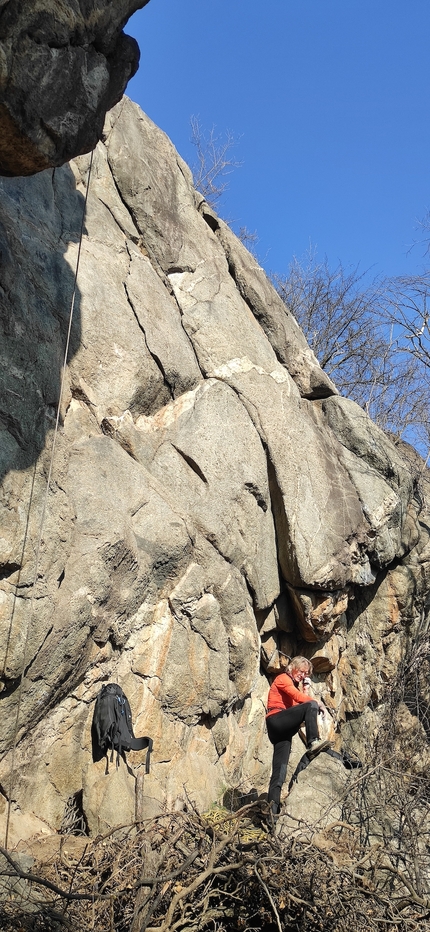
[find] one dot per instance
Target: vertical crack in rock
(168, 284)
(154, 356)
(140, 242)
(276, 503)
(214, 224)
(127, 206)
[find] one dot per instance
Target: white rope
(42, 520)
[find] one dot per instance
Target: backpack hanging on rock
(112, 726)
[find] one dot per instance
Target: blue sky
(329, 101)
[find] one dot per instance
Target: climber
(287, 709)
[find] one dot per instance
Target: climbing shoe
(319, 744)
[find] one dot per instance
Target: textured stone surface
(210, 495)
(315, 800)
(278, 323)
(62, 66)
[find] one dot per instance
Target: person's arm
(307, 683)
(286, 686)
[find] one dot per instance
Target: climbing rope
(43, 514)
(230, 823)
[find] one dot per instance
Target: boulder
(62, 66)
(315, 800)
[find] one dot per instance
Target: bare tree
(371, 338)
(408, 309)
(333, 309)
(214, 161)
(248, 238)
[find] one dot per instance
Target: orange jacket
(283, 694)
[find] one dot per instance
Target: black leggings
(281, 727)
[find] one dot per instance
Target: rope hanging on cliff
(45, 501)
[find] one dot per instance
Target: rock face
(62, 66)
(210, 495)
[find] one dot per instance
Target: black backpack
(112, 725)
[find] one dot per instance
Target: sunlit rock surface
(211, 495)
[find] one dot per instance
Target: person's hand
(321, 708)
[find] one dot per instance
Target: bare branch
(214, 161)
(373, 340)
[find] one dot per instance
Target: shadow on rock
(40, 219)
(40, 227)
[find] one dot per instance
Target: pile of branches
(218, 871)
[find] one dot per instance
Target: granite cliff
(212, 500)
